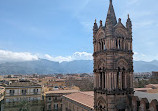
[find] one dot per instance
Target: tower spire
(111, 19)
(110, 1)
(111, 14)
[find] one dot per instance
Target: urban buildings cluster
(38, 92)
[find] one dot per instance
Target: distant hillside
(141, 66)
(43, 66)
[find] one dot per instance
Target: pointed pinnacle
(128, 16)
(110, 1)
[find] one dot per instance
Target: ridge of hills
(43, 66)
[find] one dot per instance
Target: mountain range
(43, 66)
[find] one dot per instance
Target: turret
(129, 25)
(100, 24)
(95, 28)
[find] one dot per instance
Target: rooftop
(84, 98)
(142, 89)
(62, 91)
(23, 84)
(149, 96)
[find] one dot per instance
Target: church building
(113, 64)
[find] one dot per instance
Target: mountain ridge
(44, 66)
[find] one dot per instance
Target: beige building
(2, 93)
(80, 101)
(53, 99)
(23, 95)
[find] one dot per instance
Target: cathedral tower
(113, 64)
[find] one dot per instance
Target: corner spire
(111, 15)
(110, 1)
(110, 20)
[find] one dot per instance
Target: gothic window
(104, 46)
(111, 80)
(126, 46)
(118, 77)
(122, 44)
(100, 46)
(116, 43)
(104, 79)
(123, 78)
(100, 80)
(119, 45)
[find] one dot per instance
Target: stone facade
(113, 64)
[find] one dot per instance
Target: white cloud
(143, 57)
(58, 58)
(75, 56)
(9, 56)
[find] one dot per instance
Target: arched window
(119, 45)
(126, 46)
(104, 79)
(118, 77)
(104, 46)
(116, 43)
(101, 80)
(123, 78)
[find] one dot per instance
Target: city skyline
(62, 31)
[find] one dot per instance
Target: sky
(61, 30)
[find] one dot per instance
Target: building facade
(53, 99)
(23, 95)
(2, 93)
(81, 101)
(113, 64)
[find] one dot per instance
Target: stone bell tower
(113, 64)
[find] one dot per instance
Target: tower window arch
(116, 43)
(123, 78)
(118, 78)
(119, 44)
(104, 46)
